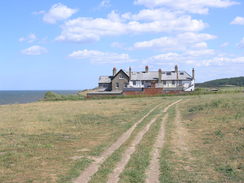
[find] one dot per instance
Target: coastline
(8, 97)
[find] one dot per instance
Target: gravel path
(86, 175)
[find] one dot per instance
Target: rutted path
(86, 175)
(153, 171)
(114, 176)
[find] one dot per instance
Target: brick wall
(151, 91)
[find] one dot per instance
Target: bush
(51, 96)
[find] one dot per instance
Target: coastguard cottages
(145, 82)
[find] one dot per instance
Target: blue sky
(67, 44)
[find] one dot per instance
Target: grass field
(48, 141)
(207, 143)
(55, 141)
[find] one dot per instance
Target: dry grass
(42, 141)
(211, 133)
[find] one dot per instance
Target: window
(168, 73)
(173, 82)
(125, 85)
(117, 85)
(180, 82)
(134, 82)
(121, 76)
(182, 73)
(164, 82)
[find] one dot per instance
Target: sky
(67, 45)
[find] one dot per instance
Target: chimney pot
(114, 71)
(177, 72)
(146, 68)
(159, 75)
(130, 72)
(193, 73)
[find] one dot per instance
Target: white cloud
(238, 21)
(34, 50)
(222, 61)
(30, 38)
(200, 45)
(105, 4)
(241, 44)
(85, 29)
(58, 12)
(192, 6)
(197, 53)
(225, 44)
(172, 58)
(95, 56)
(152, 14)
(180, 42)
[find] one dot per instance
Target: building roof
(144, 76)
(153, 75)
(182, 75)
(150, 76)
(104, 79)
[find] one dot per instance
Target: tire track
(153, 171)
(114, 176)
(86, 175)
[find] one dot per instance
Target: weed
(218, 133)
(227, 170)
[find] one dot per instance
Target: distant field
(55, 141)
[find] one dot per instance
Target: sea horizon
(27, 96)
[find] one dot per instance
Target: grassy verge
(217, 126)
(211, 146)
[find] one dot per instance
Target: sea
(21, 97)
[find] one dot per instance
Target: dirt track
(153, 171)
(114, 176)
(86, 175)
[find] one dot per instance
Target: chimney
(146, 68)
(114, 71)
(159, 75)
(193, 73)
(130, 72)
(177, 72)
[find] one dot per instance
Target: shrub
(51, 96)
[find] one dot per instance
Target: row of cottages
(131, 81)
